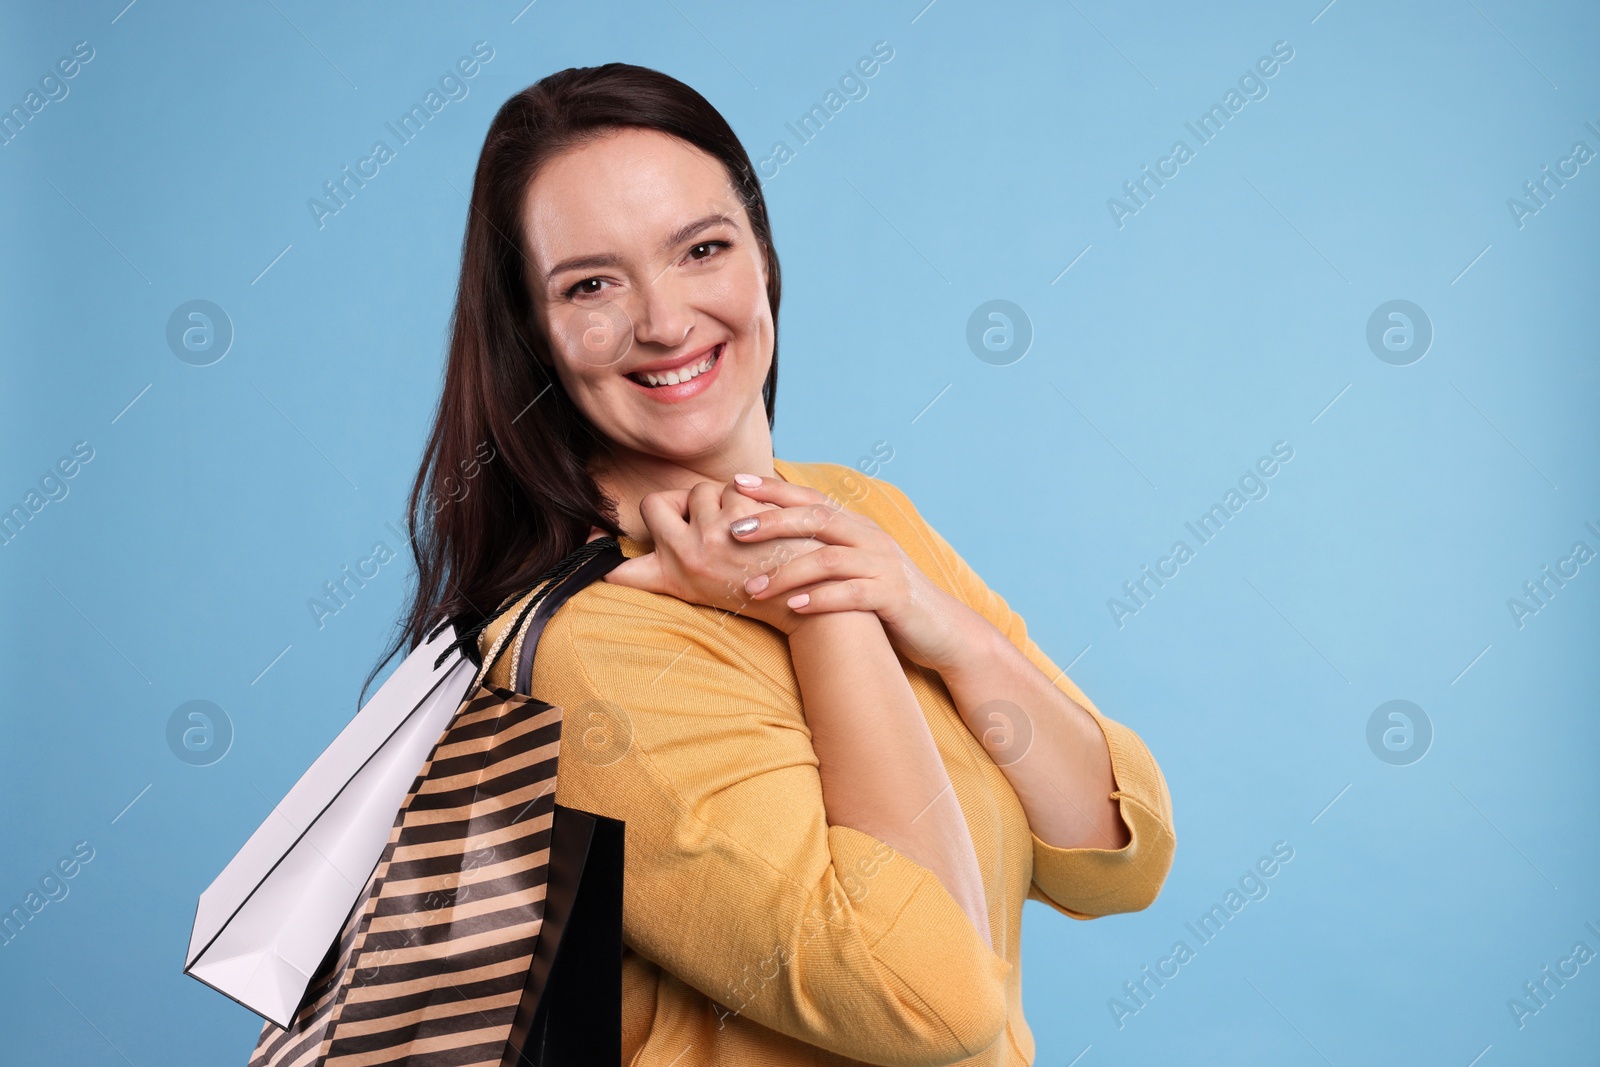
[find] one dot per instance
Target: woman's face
(652, 291)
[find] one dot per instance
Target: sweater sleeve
(686, 725)
(1083, 883)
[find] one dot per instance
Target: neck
(627, 476)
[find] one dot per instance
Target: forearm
(880, 768)
(1048, 746)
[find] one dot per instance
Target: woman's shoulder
(608, 620)
(880, 500)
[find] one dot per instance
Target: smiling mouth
(656, 380)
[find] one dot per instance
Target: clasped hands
(783, 553)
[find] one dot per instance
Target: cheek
(740, 300)
(589, 336)
(586, 385)
(577, 376)
(602, 397)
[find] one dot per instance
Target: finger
(704, 498)
(767, 558)
(677, 498)
(777, 491)
(835, 526)
(735, 503)
(663, 513)
(640, 572)
(705, 511)
(852, 594)
(746, 601)
(825, 564)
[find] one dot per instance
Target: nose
(663, 317)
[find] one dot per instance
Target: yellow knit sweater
(755, 932)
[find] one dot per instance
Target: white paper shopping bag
(266, 922)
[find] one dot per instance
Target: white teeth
(678, 377)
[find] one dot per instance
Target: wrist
(973, 644)
(783, 618)
(855, 623)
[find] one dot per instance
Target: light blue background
(1228, 314)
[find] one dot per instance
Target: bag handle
(550, 585)
(540, 589)
(605, 555)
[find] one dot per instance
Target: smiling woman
(651, 284)
(841, 762)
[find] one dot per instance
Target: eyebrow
(677, 237)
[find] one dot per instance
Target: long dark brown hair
(503, 492)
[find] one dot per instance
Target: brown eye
(706, 245)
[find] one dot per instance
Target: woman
(841, 762)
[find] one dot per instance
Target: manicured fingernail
(799, 600)
(747, 479)
(756, 584)
(744, 526)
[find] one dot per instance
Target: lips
(678, 372)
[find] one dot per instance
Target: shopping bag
(490, 931)
(265, 923)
